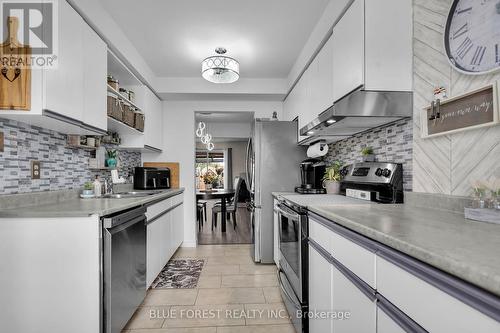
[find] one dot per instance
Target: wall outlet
(1, 142)
(35, 170)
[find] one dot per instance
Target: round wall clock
(472, 36)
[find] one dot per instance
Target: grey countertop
(306, 200)
(443, 239)
(72, 205)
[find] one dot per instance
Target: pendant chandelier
(220, 68)
(205, 137)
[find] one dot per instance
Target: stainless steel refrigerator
(273, 159)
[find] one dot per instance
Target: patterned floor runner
(179, 273)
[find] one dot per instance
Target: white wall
(229, 130)
(179, 144)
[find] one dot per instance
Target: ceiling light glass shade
(200, 129)
(210, 146)
(205, 139)
(220, 69)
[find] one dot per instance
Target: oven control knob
(386, 173)
(378, 172)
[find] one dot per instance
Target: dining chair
(231, 206)
(201, 213)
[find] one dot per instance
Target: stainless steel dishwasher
(124, 267)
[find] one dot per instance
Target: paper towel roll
(317, 150)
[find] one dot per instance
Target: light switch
(35, 170)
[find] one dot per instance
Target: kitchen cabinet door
(386, 324)
(178, 225)
(153, 126)
(64, 88)
(303, 102)
(347, 297)
(95, 69)
(320, 291)
(321, 82)
(348, 51)
(154, 245)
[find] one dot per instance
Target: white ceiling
(266, 36)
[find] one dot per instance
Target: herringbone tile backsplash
(62, 168)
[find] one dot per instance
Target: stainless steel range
(380, 182)
(373, 181)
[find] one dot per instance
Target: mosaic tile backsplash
(62, 168)
(391, 143)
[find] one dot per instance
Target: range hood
(358, 112)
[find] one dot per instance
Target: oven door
(290, 236)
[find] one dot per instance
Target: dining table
(223, 195)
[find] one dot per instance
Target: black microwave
(151, 178)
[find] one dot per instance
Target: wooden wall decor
(174, 171)
(15, 71)
(472, 110)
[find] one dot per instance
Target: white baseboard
(188, 244)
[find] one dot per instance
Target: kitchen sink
(131, 194)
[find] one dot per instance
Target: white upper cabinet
(64, 85)
(348, 51)
(369, 48)
(95, 71)
(322, 82)
(153, 126)
(388, 45)
(75, 90)
(303, 102)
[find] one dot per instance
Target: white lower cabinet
(408, 296)
(386, 324)
(348, 297)
(165, 232)
(320, 291)
(337, 304)
(432, 308)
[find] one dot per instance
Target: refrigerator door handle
(249, 179)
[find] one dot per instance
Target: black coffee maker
(311, 174)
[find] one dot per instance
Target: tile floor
(233, 295)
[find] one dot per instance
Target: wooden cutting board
(15, 75)
(174, 171)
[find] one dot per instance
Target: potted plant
(88, 189)
(332, 177)
(367, 153)
(209, 178)
(111, 160)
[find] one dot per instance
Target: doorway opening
(221, 174)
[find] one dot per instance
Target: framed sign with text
(472, 110)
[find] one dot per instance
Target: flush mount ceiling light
(220, 68)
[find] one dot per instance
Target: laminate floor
(240, 235)
(233, 295)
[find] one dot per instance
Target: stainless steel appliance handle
(121, 218)
(280, 281)
(287, 212)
